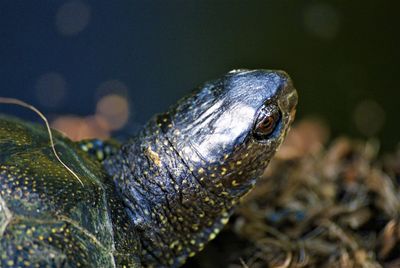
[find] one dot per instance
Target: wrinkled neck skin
(181, 176)
(175, 206)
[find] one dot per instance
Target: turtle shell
(48, 217)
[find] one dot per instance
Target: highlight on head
(227, 131)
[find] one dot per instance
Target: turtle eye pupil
(266, 126)
(266, 123)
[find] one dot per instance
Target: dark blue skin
(181, 177)
(155, 201)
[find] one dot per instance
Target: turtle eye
(266, 122)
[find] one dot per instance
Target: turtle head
(227, 131)
(180, 177)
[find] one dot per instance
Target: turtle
(152, 201)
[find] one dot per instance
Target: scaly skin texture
(155, 201)
(182, 175)
(47, 218)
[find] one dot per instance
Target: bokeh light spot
(114, 109)
(369, 117)
(72, 17)
(112, 113)
(50, 89)
(78, 128)
(321, 20)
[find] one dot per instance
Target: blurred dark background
(95, 67)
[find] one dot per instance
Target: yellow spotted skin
(181, 176)
(154, 201)
(47, 218)
(99, 149)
